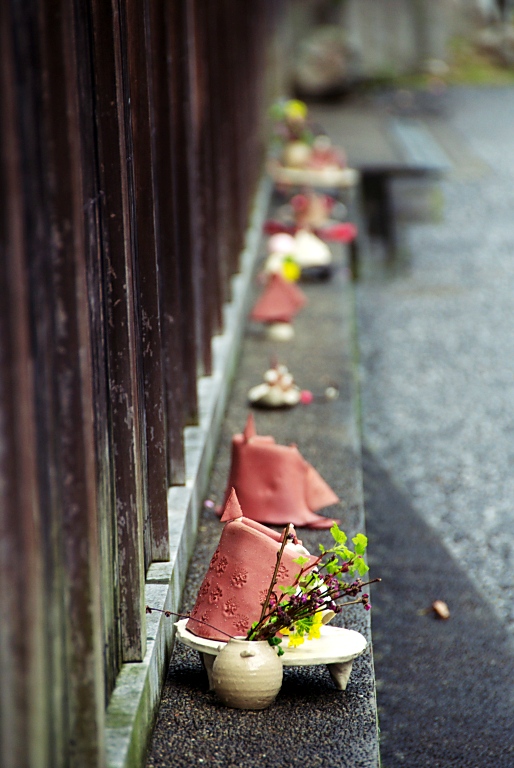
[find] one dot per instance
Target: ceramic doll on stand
(280, 301)
(278, 390)
(275, 484)
(233, 591)
(304, 242)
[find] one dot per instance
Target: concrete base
(189, 728)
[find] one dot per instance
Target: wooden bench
(383, 148)
(419, 156)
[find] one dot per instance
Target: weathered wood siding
(130, 148)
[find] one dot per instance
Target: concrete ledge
(133, 705)
(311, 722)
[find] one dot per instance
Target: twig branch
(167, 613)
(273, 581)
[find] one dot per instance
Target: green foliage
(360, 543)
(361, 566)
(329, 582)
(338, 535)
(275, 643)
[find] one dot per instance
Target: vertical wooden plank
(134, 30)
(165, 192)
(183, 225)
(73, 429)
(195, 120)
(213, 294)
(216, 150)
(97, 300)
(96, 292)
(125, 374)
(23, 701)
(230, 115)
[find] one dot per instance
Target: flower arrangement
(321, 588)
(298, 611)
(289, 117)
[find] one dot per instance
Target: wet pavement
(437, 382)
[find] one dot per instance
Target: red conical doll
(280, 301)
(239, 575)
(275, 484)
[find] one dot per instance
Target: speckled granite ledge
(311, 723)
(134, 703)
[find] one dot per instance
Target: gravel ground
(437, 356)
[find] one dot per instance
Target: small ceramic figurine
(277, 305)
(275, 484)
(305, 250)
(235, 586)
(278, 390)
(296, 154)
(282, 243)
(310, 251)
(324, 156)
(311, 210)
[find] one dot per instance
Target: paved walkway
(437, 377)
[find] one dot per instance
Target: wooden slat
(211, 293)
(194, 121)
(182, 209)
(165, 192)
(124, 359)
(96, 292)
(22, 637)
(216, 150)
(135, 30)
(69, 352)
(232, 135)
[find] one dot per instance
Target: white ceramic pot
(280, 331)
(247, 674)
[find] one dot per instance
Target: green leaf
(302, 626)
(338, 535)
(361, 566)
(360, 542)
(301, 560)
(344, 553)
(287, 590)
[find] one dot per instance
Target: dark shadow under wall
(445, 688)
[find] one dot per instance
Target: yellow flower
(294, 638)
(314, 631)
(295, 109)
(290, 270)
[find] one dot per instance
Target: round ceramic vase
(247, 674)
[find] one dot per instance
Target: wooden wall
(130, 148)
